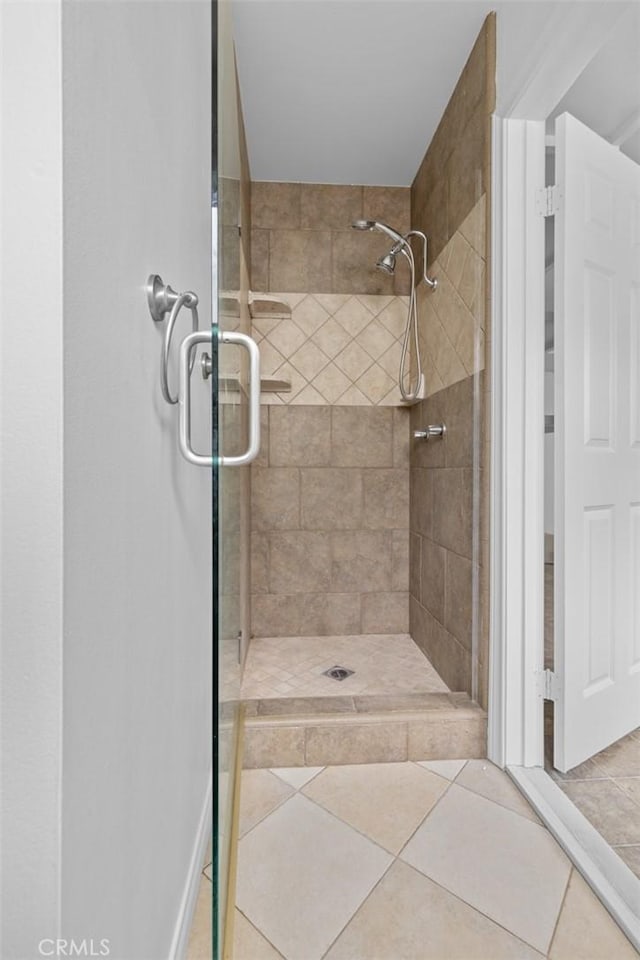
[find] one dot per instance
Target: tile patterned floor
(294, 666)
(606, 789)
(409, 861)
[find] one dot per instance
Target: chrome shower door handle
(184, 398)
(252, 451)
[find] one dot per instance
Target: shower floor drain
(338, 673)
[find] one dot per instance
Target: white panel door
(597, 443)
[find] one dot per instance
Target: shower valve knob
(433, 431)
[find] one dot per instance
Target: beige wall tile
(331, 383)
(432, 569)
(448, 656)
(394, 317)
(356, 743)
(309, 396)
(353, 258)
(400, 560)
(390, 362)
(296, 381)
(262, 460)
(300, 260)
(309, 360)
(459, 250)
(300, 436)
(331, 614)
(353, 316)
(375, 303)
(421, 494)
(458, 610)
(386, 498)
(465, 171)
(474, 227)
(385, 612)
(259, 259)
(299, 562)
(331, 337)
(361, 560)
(401, 437)
(275, 206)
(415, 566)
(375, 383)
(329, 206)
(471, 282)
(275, 498)
(375, 339)
(309, 315)
(362, 438)
(353, 361)
(331, 498)
(270, 358)
(453, 509)
(287, 337)
(259, 562)
(332, 301)
(391, 205)
(277, 616)
(353, 397)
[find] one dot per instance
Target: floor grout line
(262, 934)
(562, 903)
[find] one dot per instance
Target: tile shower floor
(407, 861)
(294, 667)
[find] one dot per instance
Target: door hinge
(549, 685)
(548, 201)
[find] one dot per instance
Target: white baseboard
(609, 878)
(192, 880)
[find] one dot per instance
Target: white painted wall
(108, 650)
(31, 471)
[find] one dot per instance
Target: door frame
(516, 688)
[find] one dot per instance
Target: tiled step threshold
(366, 729)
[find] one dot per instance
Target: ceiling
(351, 91)
(606, 95)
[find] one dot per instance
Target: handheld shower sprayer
(387, 264)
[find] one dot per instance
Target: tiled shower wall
(330, 493)
(449, 480)
(302, 241)
(335, 348)
(330, 516)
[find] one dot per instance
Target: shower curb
(447, 727)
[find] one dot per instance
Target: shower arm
(433, 283)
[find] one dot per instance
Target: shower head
(363, 224)
(377, 225)
(387, 264)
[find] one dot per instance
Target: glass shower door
(234, 425)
